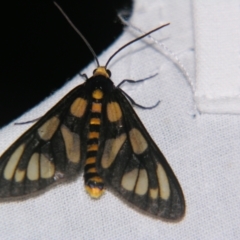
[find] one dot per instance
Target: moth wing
(133, 166)
(50, 151)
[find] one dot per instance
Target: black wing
(49, 151)
(132, 165)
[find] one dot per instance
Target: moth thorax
(95, 187)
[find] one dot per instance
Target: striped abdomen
(93, 182)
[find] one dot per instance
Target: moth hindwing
(94, 129)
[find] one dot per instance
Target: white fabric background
(217, 44)
(203, 150)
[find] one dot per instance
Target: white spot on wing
(78, 107)
(153, 193)
(33, 168)
(47, 168)
(142, 182)
(19, 175)
(163, 182)
(129, 179)
(114, 112)
(47, 130)
(111, 149)
(13, 162)
(72, 144)
(138, 142)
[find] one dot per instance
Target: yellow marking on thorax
(78, 107)
(97, 94)
(101, 71)
(95, 121)
(97, 107)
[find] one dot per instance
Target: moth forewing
(40, 156)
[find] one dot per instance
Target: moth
(94, 130)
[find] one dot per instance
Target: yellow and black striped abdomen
(93, 182)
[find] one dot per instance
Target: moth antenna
(134, 40)
(78, 32)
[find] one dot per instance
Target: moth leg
(30, 121)
(83, 75)
(137, 81)
(138, 105)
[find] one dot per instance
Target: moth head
(103, 71)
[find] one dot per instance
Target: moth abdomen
(94, 184)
